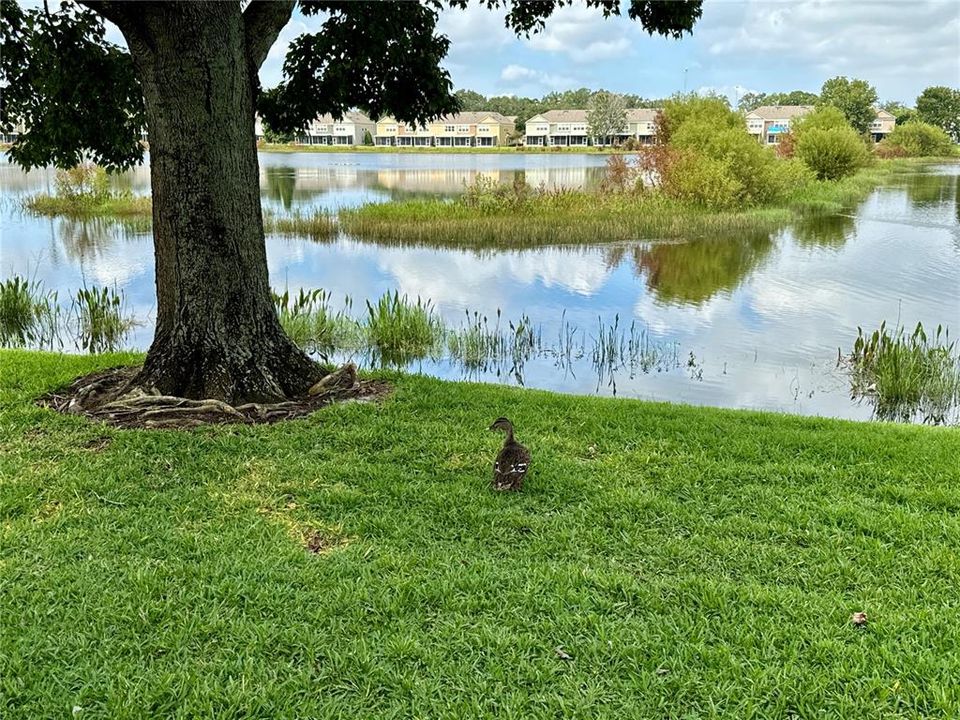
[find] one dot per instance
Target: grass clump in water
(905, 376)
(311, 322)
(400, 330)
(28, 315)
(101, 319)
(319, 225)
(85, 191)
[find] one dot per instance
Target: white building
(351, 129)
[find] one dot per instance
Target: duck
(512, 462)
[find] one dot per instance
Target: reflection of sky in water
(762, 316)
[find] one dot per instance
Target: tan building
(882, 125)
(472, 129)
(642, 124)
(392, 133)
(466, 129)
(768, 122)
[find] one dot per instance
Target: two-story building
(768, 122)
(351, 129)
(558, 128)
(471, 129)
(392, 133)
(882, 125)
(569, 128)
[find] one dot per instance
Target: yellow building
(466, 129)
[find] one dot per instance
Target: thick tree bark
(217, 333)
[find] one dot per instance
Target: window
(449, 128)
(463, 128)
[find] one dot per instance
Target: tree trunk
(217, 333)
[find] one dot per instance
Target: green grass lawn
(694, 563)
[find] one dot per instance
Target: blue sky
(738, 46)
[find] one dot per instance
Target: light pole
(685, 80)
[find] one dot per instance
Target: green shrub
(917, 139)
(692, 177)
(828, 145)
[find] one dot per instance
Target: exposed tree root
(111, 397)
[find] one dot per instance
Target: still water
(747, 322)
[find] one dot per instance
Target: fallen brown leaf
(859, 619)
(562, 654)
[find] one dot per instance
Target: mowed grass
(693, 563)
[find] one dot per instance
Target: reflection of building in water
(439, 180)
(561, 177)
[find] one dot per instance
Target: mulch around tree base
(105, 396)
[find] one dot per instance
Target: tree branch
(115, 12)
(262, 22)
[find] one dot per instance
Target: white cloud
(517, 76)
(583, 34)
(890, 43)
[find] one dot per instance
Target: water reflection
(762, 315)
(694, 272)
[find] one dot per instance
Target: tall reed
(401, 331)
(28, 315)
(905, 376)
(101, 319)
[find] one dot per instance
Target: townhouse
(882, 125)
(465, 129)
(768, 122)
(569, 128)
(352, 129)
(558, 128)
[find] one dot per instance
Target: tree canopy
(78, 93)
(606, 115)
(854, 98)
(940, 106)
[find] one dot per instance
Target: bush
(917, 139)
(711, 111)
(828, 145)
(691, 177)
(85, 182)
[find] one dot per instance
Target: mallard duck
(512, 461)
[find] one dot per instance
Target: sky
(738, 46)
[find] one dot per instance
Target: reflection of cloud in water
(457, 277)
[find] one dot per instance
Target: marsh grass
(318, 225)
(630, 350)
(101, 319)
(310, 320)
(548, 217)
(400, 330)
(29, 316)
(905, 376)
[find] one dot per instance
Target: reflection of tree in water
(692, 273)
(824, 230)
(90, 237)
(281, 182)
(925, 190)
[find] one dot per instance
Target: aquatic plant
(28, 314)
(310, 321)
(101, 319)
(318, 225)
(905, 376)
(85, 191)
(400, 330)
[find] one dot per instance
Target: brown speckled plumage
(512, 462)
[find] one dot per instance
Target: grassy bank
(690, 562)
(509, 216)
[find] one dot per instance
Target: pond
(747, 322)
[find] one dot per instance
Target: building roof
(642, 114)
(349, 116)
(473, 117)
(554, 116)
(883, 114)
(780, 112)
